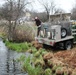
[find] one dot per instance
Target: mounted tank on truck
(61, 35)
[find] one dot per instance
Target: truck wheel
(68, 45)
(63, 32)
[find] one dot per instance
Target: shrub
(24, 33)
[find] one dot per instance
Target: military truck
(61, 35)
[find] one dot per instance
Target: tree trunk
(10, 31)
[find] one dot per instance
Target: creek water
(8, 65)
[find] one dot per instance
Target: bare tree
(58, 10)
(48, 5)
(41, 15)
(11, 11)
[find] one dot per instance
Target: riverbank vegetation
(19, 47)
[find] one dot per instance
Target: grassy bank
(19, 47)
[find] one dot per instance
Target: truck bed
(52, 41)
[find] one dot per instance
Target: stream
(8, 65)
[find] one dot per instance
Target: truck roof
(58, 23)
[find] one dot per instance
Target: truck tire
(63, 32)
(68, 45)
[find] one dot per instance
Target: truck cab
(56, 35)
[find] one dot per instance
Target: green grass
(19, 47)
(30, 69)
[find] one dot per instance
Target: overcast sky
(1, 2)
(64, 4)
(67, 5)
